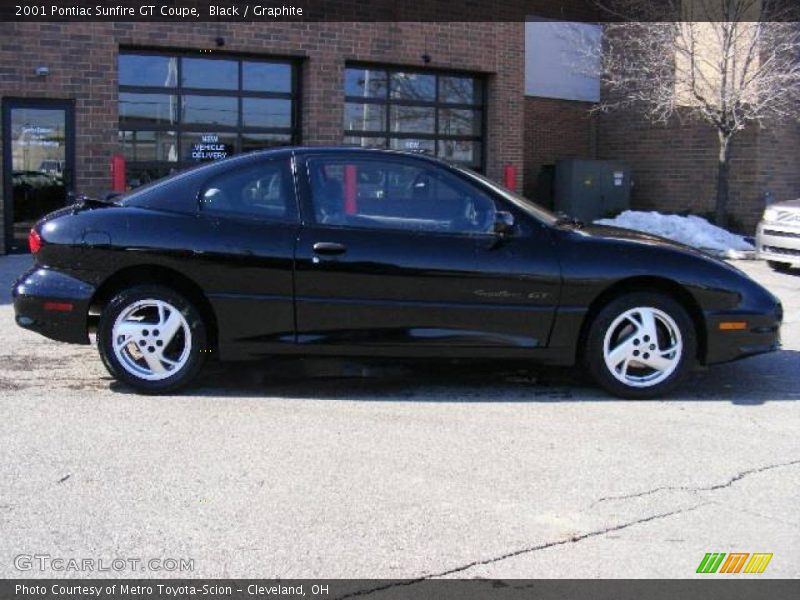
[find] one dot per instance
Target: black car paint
(525, 295)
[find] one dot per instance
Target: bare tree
(732, 64)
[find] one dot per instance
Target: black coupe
(351, 252)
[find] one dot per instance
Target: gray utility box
(592, 189)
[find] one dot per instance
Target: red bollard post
(510, 177)
(350, 190)
(118, 173)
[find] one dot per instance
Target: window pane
(460, 90)
(210, 110)
(149, 145)
(456, 121)
(365, 142)
(205, 147)
(413, 86)
(257, 141)
(210, 74)
(143, 69)
(364, 117)
(267, 77)
(266, 112)
(366, 83)
(467, 153)
(152, 109)
(412, 119)
(392, 194)
(258, 191)
(416, 146)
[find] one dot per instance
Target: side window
(396, 194)
(260, 190)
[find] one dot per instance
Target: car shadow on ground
(752, 381)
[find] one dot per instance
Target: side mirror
(503, 223)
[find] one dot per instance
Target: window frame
(183, 130)
(387, 102)
(309, 217)
(291, 217)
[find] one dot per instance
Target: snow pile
(690, 230)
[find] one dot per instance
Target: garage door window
(178, 110)
(415, 111)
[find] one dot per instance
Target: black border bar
(258, 11)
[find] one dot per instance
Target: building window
(177, 110)
(440, 114)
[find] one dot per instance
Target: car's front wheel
(152, 338)
(641, 345)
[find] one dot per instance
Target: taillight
(34, 241)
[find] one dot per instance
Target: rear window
(177, 193)
(261, 190)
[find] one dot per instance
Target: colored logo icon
(736, 562)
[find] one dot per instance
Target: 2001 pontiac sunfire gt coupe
(349, 252)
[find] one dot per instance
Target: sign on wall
(210, 148)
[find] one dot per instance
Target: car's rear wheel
(641, 345)
(152, 338)
(781, 267)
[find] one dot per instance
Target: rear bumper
(778, 243)
(53, 304)
(762, 334)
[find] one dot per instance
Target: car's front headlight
(770, 214)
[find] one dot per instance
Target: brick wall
(675, 166)
(555, 129)
(82, 58)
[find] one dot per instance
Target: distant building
(674, 166)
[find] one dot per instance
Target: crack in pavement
(583, 536)
(695, 489)
(527, 550)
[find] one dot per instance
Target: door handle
(329, 248)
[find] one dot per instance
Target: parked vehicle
(778, 235)
(277, 252)
(52, 166)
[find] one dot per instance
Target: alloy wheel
(642, 347)
(151, 339)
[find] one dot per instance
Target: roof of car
(335, 149)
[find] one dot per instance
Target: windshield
(520, 202)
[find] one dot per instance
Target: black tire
(780, 267)
(194, 359)
(594, 356)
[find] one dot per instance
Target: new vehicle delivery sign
(209, 148)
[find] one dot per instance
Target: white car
(778, 235)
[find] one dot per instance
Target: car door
(248, 221)
(399, 253)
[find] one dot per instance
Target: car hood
(787, 205)
(630, 235)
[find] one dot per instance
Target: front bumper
(53, 304)
(762, 334)
(778, 242)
